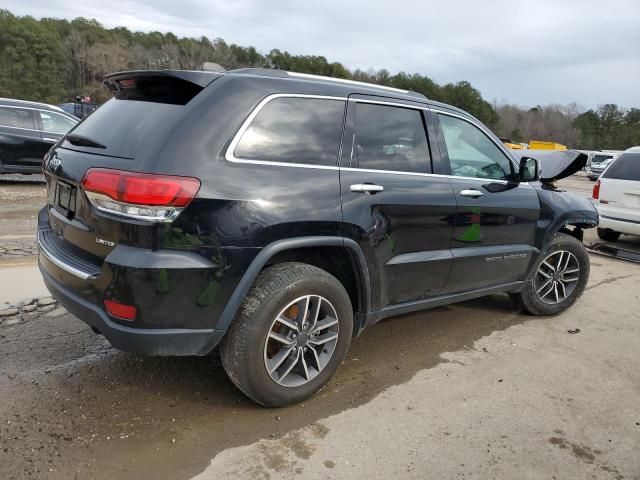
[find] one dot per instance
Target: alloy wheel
(557, 277)
(301, 341)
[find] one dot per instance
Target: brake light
(596, 191)
(139, 195)
(127, 83)
(120, 310)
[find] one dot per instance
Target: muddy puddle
(20, 279)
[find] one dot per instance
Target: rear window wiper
(82, 141)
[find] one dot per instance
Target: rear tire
(560, 276)
(288, 317)
(608, 235)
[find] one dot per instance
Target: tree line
(606, 127)
(54, 60)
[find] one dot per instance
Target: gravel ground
(578, 183)
(21, 179)
(21, 197)
(473, 390)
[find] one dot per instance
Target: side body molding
(249, 277)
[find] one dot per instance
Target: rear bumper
(620, 225)
(145, 341)
(179, 295)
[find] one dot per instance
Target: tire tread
(236, 345)
(527, 299)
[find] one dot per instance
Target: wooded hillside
(54, 60)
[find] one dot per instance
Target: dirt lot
(472, 390)
(21, 197)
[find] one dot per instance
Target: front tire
(608, 235)
(290, 335)
(560, 276)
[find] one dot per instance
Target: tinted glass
(126, 127)
(391, 138)
(294, 130)
(55, 123)
(625, 167)
(16, 117)
(471, 152)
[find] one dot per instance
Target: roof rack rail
(283, 74)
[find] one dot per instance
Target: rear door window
(16, 117)
(294, 130)
(391, 138)
(625, 167)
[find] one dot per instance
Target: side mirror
(529, 169)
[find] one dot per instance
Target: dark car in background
(279, 214)
(78, 109)
(27, 132)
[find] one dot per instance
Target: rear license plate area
(65, 198)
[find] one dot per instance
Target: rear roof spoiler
(197, 77)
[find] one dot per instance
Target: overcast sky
(521, 51)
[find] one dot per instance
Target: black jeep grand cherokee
(278, 214)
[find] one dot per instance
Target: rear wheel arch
(327, 253)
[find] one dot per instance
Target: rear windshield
(625, 167)
(125, 127)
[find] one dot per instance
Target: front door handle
(471, 193)
(368, 188)
(49, 140)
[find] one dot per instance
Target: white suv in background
(617, 196)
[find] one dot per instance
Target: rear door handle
(368, 188)
(471, 193)
(49, 140)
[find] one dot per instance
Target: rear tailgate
(119, 135)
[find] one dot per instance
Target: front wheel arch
(528, 299)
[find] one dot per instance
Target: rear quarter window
(294, 130)
(625, 167)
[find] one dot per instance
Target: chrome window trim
(438, 175)
(390, 104)
(230, 153)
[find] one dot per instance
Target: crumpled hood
(555, 164)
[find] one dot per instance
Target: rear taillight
(139, 195)
(596, 191)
